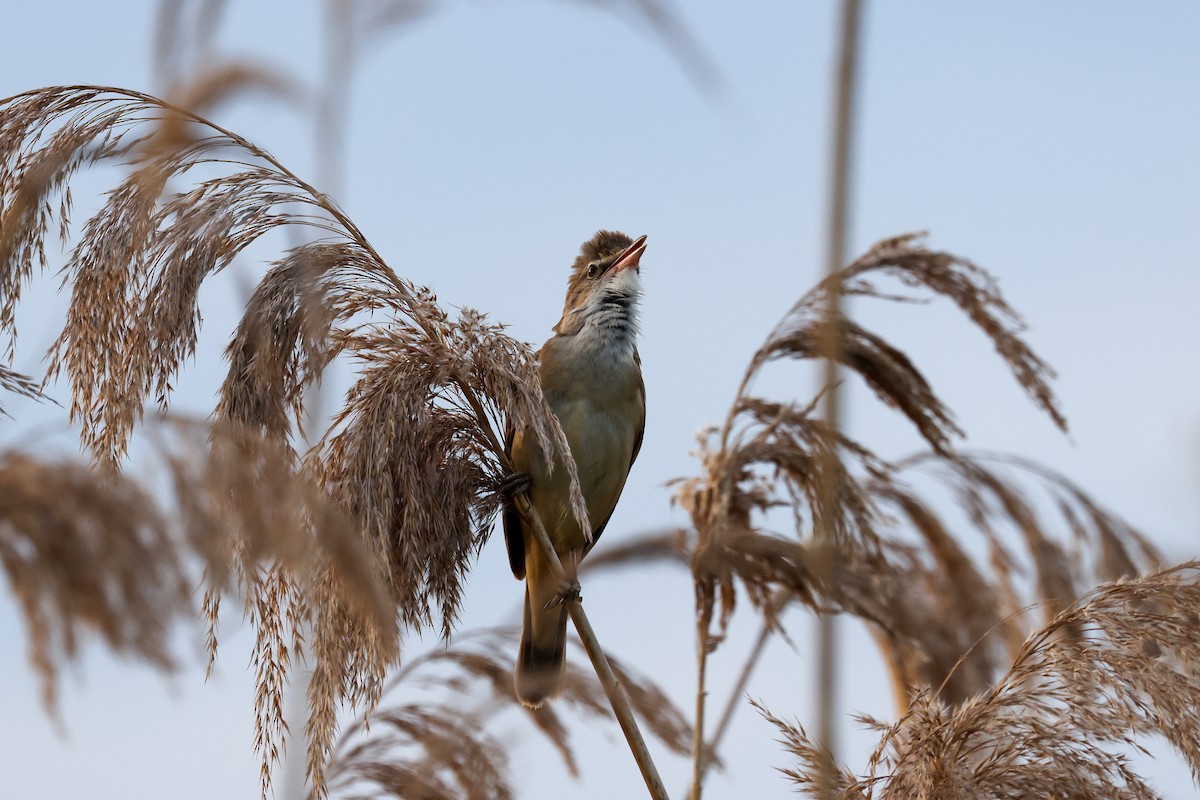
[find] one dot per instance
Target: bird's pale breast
(600, 411)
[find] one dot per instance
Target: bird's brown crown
(596, 255)
(604, 246)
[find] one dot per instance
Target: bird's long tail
(540, 660)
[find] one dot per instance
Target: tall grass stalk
(839, 209)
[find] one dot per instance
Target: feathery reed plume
(760, 435)
(1117, 666)
(943, 620)
(409, 457)
(988, 601)
(413, 458)
(945, 623)
(440, 747)
(16, 383)
(889, 373)
(91, 550)
(86, 552)
(913, 591)
(816, 774)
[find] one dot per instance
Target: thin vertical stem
(839, 211)
(769, 625)
(699, 762)
(612, 687)
(332, 100)
(739, 690)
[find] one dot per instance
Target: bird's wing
(641, 426)
(514, 534)
(637, 448)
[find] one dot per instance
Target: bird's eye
(593, 269)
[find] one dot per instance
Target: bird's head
(604, 286)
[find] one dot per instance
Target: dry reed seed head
(435, 389)
(322, 577)
(87, 552)
(28, 187)
(479, 657)
(245, 503)
(946, 623)
(16, 383)
(138, 267)
(411, 474)
(941, 622)
(411, 458)
(73, 534)
(773, 449)
(414, 458)
(813, 762)
(437, 727)
(283, 342)
(942, 608)
(103, 271)
(1064, 715)
(789, 443)
(1102, 546)
(1010, 743)
(887, 370)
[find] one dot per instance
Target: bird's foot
(569, 591)
(514, 484)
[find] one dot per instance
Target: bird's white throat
(610, 320)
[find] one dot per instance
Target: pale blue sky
(1054, 144)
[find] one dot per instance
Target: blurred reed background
(344, 488)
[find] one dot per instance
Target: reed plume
(434, 740)
(1115, 667)
(16, 383)
(768, 452)
(944, 622)
(97, 551)
(414, 456)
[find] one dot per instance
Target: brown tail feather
(540, 660)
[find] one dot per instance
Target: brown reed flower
(86, 550)
(1105, 672)
(769, 453)
(436, 742)
(414, 456)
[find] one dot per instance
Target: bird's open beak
(630, 258)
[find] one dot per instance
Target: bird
(591, 376)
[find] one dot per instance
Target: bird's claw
(514, 484)
(569, 592)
